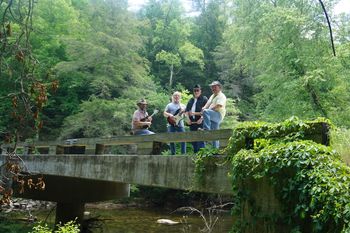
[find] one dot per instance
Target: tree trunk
(171, 76)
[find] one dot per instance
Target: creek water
(145, 220)
(131, 220)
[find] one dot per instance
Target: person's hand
(190, 113)
(148, 123)
(200, 121)
(149, 119)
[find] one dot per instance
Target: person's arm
(137, 121)
(206, 106)
(167, 114)
(216, 107)
(142, 123)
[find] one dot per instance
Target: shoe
(200, 129)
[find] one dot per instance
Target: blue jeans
(143, 132)
(196, 145)
(172, 129)
(211, 121)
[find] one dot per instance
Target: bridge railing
(153, 144)
(138, 144)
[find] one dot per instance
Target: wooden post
(99, 149)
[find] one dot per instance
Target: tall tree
(106, 70)
(284, 46)
(208, 31)
(168, 46)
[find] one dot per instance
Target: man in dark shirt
(193, 111)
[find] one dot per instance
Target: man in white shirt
(215, 109)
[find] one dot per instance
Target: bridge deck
(146, 143)
(150, 170)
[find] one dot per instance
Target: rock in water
(167, 221)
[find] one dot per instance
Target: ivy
(289, 130)
(310, 179)
(204, 161)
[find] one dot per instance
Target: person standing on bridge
(214, 110)
(193, 111)
(141, 121)
(174, 114)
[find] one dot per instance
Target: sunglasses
(196, 90)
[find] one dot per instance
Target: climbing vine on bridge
(310, 179)
(205, 160)
(269, 133)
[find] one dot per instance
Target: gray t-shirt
(172, 108)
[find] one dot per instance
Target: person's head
(176, 97)
(142, 104)
(215, 87)
(197, 90)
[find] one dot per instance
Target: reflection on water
(125, 220)
(145, 221)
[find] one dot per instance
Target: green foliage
(169, 58)
(168, 45)
(340, 141)
(204, 160)
(289, 130)
(11, 226)
(192, 54)
(310, 179)
(99, 117)
(277, 58)
(41, 229)
(69, 227)
(231, 117)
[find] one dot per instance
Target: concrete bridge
(83, 170)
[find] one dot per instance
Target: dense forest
(75, 68)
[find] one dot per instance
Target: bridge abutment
(71, 194)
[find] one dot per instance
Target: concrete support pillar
(66, 212)
(71, 194)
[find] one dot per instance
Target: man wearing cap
(214, 111)
(141, 121)
(194, 113)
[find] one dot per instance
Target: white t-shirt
(220, 98)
